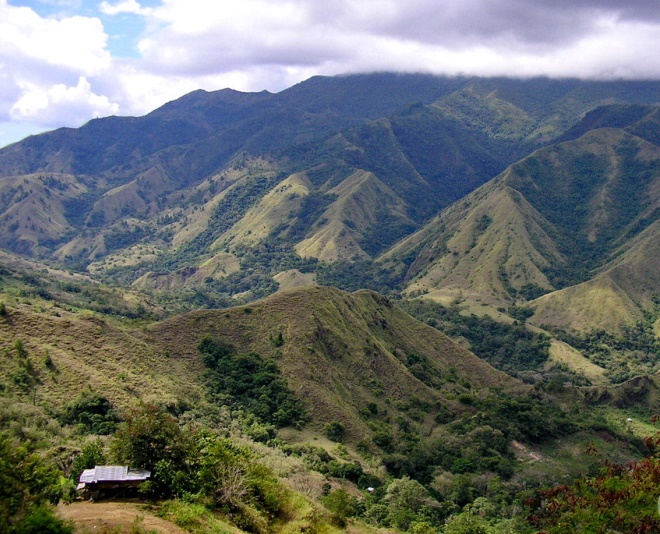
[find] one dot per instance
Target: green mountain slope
(580, 211)
(618, 295)
(485, 247)
(431, 140)
(349, 224)
(34, 211)
(412, 408)
(597, 191)
(341, 353)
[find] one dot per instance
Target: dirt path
(104, 517)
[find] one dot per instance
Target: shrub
(278, 340)
(334, 431)
(520, 313)
(48, 362)
(384, 440)
(237, 483)
(247, 381)
(377, 514)
(622, 498)
(408, 501)
(93, 412)
(152, 439)
(42, 520)
(20, 349)
(349, 470)
(341, 503)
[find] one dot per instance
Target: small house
(111, 480)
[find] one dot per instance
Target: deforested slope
(484, 247)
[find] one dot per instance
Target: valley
(445, 289)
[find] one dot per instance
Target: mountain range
(491, 192)
(493, 246)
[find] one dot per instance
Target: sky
(64, 62)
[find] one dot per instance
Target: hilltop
(339, 352)
(342, 353)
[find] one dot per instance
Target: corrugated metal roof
(112, 473)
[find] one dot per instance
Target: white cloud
(140, 91)
(58, 69)
(200, 38)
(46, 65)
(124, 6)
(28, 42)
(62, 105)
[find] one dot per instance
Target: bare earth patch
(109, 516)
(523, 453)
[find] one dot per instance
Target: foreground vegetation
(208, 479)
(619, 498)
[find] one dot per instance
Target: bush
(520, 313)
(334, 431)
(42, 520)
(278, 340)
(349, 470)
(622, 498)
(91, 455)
(237, 483)
(20, 349)
(341, 503)
(377, 514)
(408, 501)
(152, 439)
(93, 412)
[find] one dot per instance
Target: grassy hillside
(485, 248)
(34, 210)
(354, 221)
(596, 191)
(341, 353)
(581, 210)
